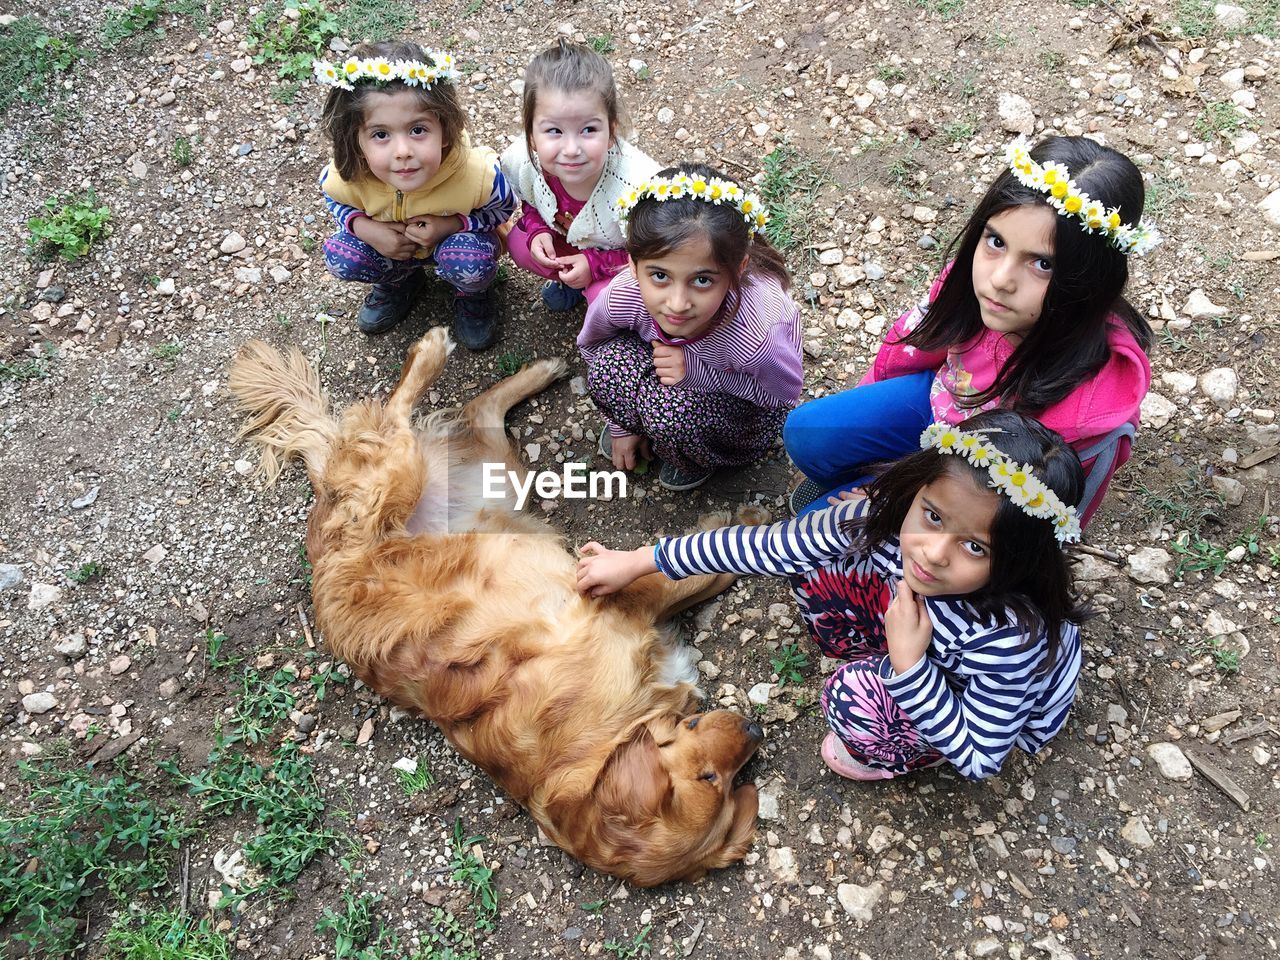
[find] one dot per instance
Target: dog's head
(667, 806)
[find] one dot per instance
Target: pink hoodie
(1109, 398)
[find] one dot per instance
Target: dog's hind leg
(421, 368)
(288, 409)
(487, 413)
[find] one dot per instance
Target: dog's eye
(692, 722)
(710, 775)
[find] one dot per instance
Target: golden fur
(466, 610)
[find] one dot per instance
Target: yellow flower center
(1072, 204)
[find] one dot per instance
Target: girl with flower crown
(569, 170)
(945, 594)
(407, 189)
(693, 353)
(1029, 315)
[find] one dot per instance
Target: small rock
(243, 467)
(782, 864)
(232, 243)
(638, 67)
(10, 575)
(1016, 115)
(73, 645)
(578, 386)
(986, 947)
(85, 500)
(366, 732)
(1157, 411)
(829, 258)
(859, 901)
(1179, 382)
(43, 595)
(119, 665)
(1230, 17)
(1150, 565)
(759, 694)
(1270, 207)
(406, 765)
(155, 554)
(169, 688)
(532, 451)
(248, 275)
(39, 702)
(279, 274)
(1229, 488)
(1233, 79)
(167, 287)
(666, 114)
(1220, 385)
(1172, 762)
(1137, 834)
(1199, 305)
(769, 808)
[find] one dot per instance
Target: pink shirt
(603, 263)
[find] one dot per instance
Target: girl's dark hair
(344, 110)
(1030, 577)
(655, 228)
(1068, 343)
(569, 68)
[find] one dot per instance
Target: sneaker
(836, 756)
(389, 303)
(674, 478)
(475, 319)
(560, 297)
(803, 494)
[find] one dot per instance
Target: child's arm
(604, 263)
(617, 310)
(896, 359)
(496, 211)
(974, 727)
(771, 376)
(602, 571)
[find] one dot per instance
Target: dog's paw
(753, 515)
(556, 369)
(713, 521)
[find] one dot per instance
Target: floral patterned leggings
(686, 428)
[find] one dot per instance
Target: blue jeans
(834, 439)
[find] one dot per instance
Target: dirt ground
(122, 465)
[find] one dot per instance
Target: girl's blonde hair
(569, 68)
(344, 110)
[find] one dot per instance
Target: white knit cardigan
(597, 225)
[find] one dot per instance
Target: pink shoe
(836, 756)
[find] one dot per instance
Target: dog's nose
(754, 730)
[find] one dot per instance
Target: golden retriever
(466, 610)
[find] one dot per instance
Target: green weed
(70, 226)
(76, 833)
(1198, 555)
(19, 370)
(473, 8)
(789, 190)
(628, 949)
(475, 876)
(593, 906)
(959, 131)
(788, 662)
(213, 640)
(891, 73)
(416, 782)
(292, 43)
(321, 679)
(946, 9)
(33, 60)
(123, 23)
(1219, 119)
(182, 152)
(1163, 193)
(164, 935)
(86, 572)
(167, 351)
(374, 19)
(263, 702)
(1050, 60)
(602, 44)
(511, 362)
(1186, 504)
(353, 927)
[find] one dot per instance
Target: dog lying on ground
(466, 610)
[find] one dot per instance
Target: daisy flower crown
(1070, 201)
(707, 189)
(439, 68)
(1008, 477)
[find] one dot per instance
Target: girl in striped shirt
(693, 353)
(945, 592)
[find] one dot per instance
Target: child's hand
(543, 250)
(668, 363)
(857, 493)
(907, 628)
(575, 271)
(389, 239)
(628, 450)
(429, 229)
(602, 571)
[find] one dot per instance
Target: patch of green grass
(353, 927)
(946, 9)
(1219, 119)
(20, 370)
(374, 19)
(86, 572)
(182, 152)
(1193, 17)
(305, 579)
(1163, 193)
(788, 662)
(322, 678)
(958, 131)
(629, 949)
(999, 41)
(602, 44)
(33, 60)
(905, 164)
(1198, 555)
(475, 876)
(123, 23)
(164, 935)
(263, 702)
(891, 73)
(1050, 60)
(74, 834)
(593, 906)
(291, 43)
(414, 783)
(168, 351)
(511, 362)
(213, 641)
(1186, 503)
(473, 8)
(789, 190)
(70, 225)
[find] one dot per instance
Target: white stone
(1199, 305)
(882, 837)
(1136, 833)
(1244, 142)
(155, 554)
(279, 273)
(1220, 385)
(1245, 99)
(782, 864)
(1229, 488)
(1179, 382)
(1156, 411)
(759, 694)
(1091, 569)
(43, 595)
(232, 243)
(1233, 79)
(167, 287)
(846, 274)
(1270, 207)
(1230, 16)
(666, 114)
(406, 765)
(985, 947)
(72, 645)
(248, 275)
(769, 808)
(1016, 115)
(39, 702)
(760, 129)
(858, 901)
(1172, 762)
(1150, 565)
(637, 66)
(829, 258)
(10, 575)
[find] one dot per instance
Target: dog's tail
(288, 409)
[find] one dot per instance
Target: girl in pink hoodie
(1029, 315)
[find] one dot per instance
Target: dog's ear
(634, 783)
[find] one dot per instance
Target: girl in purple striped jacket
(693, 353)
(945, 593)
